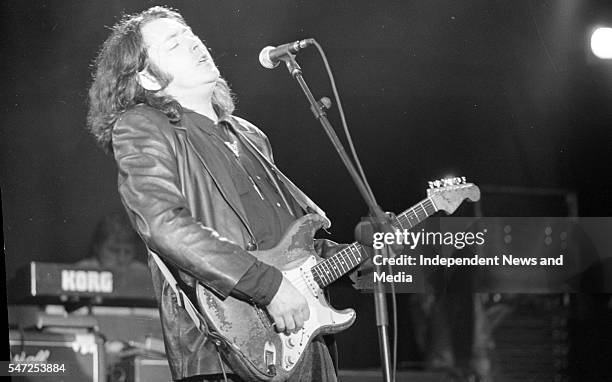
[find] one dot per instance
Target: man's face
(176, 51)
(115, 253)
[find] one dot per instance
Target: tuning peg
(434, 184)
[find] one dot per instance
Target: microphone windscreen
(264, 58)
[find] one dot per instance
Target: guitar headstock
(448, 194)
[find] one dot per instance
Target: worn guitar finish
(245, 333)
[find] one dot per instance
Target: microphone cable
(368, 189)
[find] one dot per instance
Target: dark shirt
(266, 210)
(269, 209)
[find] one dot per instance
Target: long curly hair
(115, 87)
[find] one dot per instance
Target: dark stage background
(503, 92)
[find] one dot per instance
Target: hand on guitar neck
(288, 308)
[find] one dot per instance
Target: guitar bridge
(270, 357)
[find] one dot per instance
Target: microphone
(269, 57)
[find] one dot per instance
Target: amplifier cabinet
(141, 369)
(82, 354)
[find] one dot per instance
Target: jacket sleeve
(150, 190)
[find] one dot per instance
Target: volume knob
(291, 342)
(290, 360)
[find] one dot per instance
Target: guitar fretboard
(336, 266)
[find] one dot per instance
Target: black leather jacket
(185, 207)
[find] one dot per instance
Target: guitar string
(412, 213)
(333, 268)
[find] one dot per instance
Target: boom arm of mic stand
(380, 302)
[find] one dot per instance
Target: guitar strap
(182, 298)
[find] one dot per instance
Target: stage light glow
(601, 43)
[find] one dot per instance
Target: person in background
(115, 246)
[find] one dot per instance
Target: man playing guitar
(199, 186)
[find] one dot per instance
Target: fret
(326, 271)
(324, 276)
(345, 258)
(334, 265)
(420, 213)
(328, 267)
(361, 254)
(345, 254)
(341, 264)
(347, 263)
(331, 269)
(406, 217)
(321, 274)
(345, 268)
(327, 276)
(357, 258)
(351, 261)
(414, 219)
(322, 282)
(424, 210)
(341, 269)
(399, 223)
(318, 276)
(432, 206)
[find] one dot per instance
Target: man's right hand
(288, 308)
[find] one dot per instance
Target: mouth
(203, 59)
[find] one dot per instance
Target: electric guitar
(244, 333)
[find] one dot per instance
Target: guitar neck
(336, 266)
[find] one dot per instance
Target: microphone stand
(380, 301)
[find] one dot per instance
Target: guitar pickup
(306, 272)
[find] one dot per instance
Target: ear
(148, 81)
